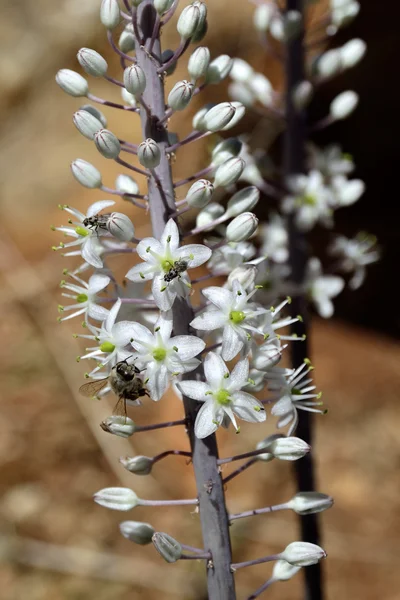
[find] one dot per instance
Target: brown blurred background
(55, 543)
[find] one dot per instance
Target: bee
(123, 382)
(178, 267)
(96, 222)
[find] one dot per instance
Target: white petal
(171, 230)
(199, 253)
(89, 251)
(175, 365)
(158, 380)
(239, 376)
(231, 343)
(209, 320)
(215, 369)
(194, 389)
(332, 285)
(324, 307)
(97, 282)
(146, 243)
(122, 333)
(163, 299)
(188, 345)
(142, 335)
(246, 407)
(207, 421)
(96, 207)
(141, 272)
(219, 296)
(282, 407)
(112, 315)
(97, 312)
(164, 325)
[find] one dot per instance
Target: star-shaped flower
(166, 264)
(222, 396)
(310, 199)
(85, 296)
(355, 255)
(321, 288)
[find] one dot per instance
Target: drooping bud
(72, 83)
(343, 105)
(242, 227)
(86, 123)
(302, 94)
(162, 6)
(198, 119)
(180, 95)
(95, 112)
(165, 57)
(283, 571)
(92, 62)
(266, 443)
(219, 69)
(198, 62)
(135, 80)
(128, 98)
(119, 425)
(239, 113)
(120, 226)
(209, 214)
(140, 465)
(126, 185)
(352, 52)
(228, 148)
(109, 13)
(107, 143)
(188, 21)
(149, 154)
(289, 448)
(169, 548)
(136, 531)
(200, 193)
(307, 503)
(219, 116)
(229, 172)
(126, 40)
(302, 554)
(86, 174)
(117, 498)
(244, 200)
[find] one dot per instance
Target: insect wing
(120, 407)
(91, 388)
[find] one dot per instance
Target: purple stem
(188, 502)
(112, 104)
(192, 137)
(116, 49)
(195, 176)
(261, 589)
(169, 14)
(114, 81)
(240, 470)
(178, 52)
(128, 166)
(223, 461)
(256, 561)
(141, 428)
(170, 453)
(258, 511)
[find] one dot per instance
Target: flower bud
(228, 173)
(202, 25)
(165, 56)
(352, 52)
(242, 227)
(241, 71)
(307, 503)
(134, 80)
(107, 143)
(343, 105)
(246, 276)
(72, 83)
(198, 62)
(120, 226)
(241, 93)
(289, 448)
(302, 554)
(119, 425)
(198, 119)
(162, 6)
(126, 185)
(96, 113)
(329, 64)
(188, 21)
(200, 193)
(86, 174)
(283, 571)
(209, 214)
(219, 116)
(109, 13)
(86, 123)
(242, 201)
(239, 113)
(228, 148)
(128, 98)
(126, 40)
(277, 28)
(262, 16)
(219, 69)
(149, 154)
(140, 465)
(180, 95)
(135, 531)
(266, 443)
(302, 94)
(92, 62)
(117, 498)
(169, 548)
(266, 356)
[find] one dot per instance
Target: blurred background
(55, 543)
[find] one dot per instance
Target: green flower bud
(86, 124)
(307, 503)
(162, 6)
(92, 62)
(289, 448)
(228, 173)
(72, 83)
(198, 119)
(180, 95)
(239, 113)
(266, 443)
(135, 80)
(140, 465)
(242, 201)
(200, 193)
(209, 214)
(219, 116)
(117, 498)
(107, 143)
(126, 185)
(149, 154)
(343, 105)
(169, 548)
(109, 13)
(242, 227)
(283, 571)
(126, 40)
(302, 554)
(202, 25)
(96, 113)
(219, 69)
(119, 425)
(198, 62)
(120, 226)
(188, 21)
(135, 531)
(128, 98)
(227, 148)
(86, 174)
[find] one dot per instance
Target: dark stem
(295, 137)
(160, 425)
(256, 561)
(213, 514)
(239, 470)
(260, 590)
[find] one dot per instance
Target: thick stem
(295, 138)
(213, 514)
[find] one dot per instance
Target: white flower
(230, 256)
(310, 200)
(346, 191)
(222, 396)
(344, 11)
(321, 288)
(166, 264)
(162, 355)
(275, 239)
(233, 314)
(85, 235)
(85, 296)
(354, 255)
(330, 160)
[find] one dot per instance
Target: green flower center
(81, 231)
(222, 397)
(107, 347)
(237, 316)
(81, 298)
(296, 392)
(167, 265)
(159, 354)
(309, 200)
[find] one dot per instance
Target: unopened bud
(289, 448)
(180, 95)
(244, 200)
(162, 6)
(134, 80)
(330, 63)
(343, 105)
(202, 25)
(302, 94)
(126, 40)
(109, 13)
(283, 571)
(128, 98)
(219, 69)
(136, 531)
(198, 62)
(198, 119)
(92, 62)
(140, 465)
(277, 28)
(266, 443)
(307, 503)
(126, 185)
(239, 113)
(241, 93)
(266, 356)
(228, 173)
(86, 174)
(86, 123)
(117, 498)
(226, 149)
(302, 554)
(169, 548)
(96, 113)
(188, 21)
(149, 154)
(72, 83)
(352, 52)
(200, 193)
(120, 226)
(242, 227)
(241, 71)
(209, 214)
(246, 276)
(219, 116)
(262, 16)
(107, 143)
(119, 425)
(165, 57)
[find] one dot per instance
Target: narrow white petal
(175, 365)
(324, 307)
(164, 325)
(112, 315)
(188, 345)
(97, 312)
(122, 333)
(282, 407)
(194, 254)
(89, 251)
(215, 370)
(96, 207)
(219, 296)
(246, 407)
(209, 320)
(146, 243)
(141, 334)
(170, 230)
(194, 389)
(164, 299)
(231, 343)
(97, 282)
(141, 272)
(158, 380)
(207, 421)
(239, 376)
